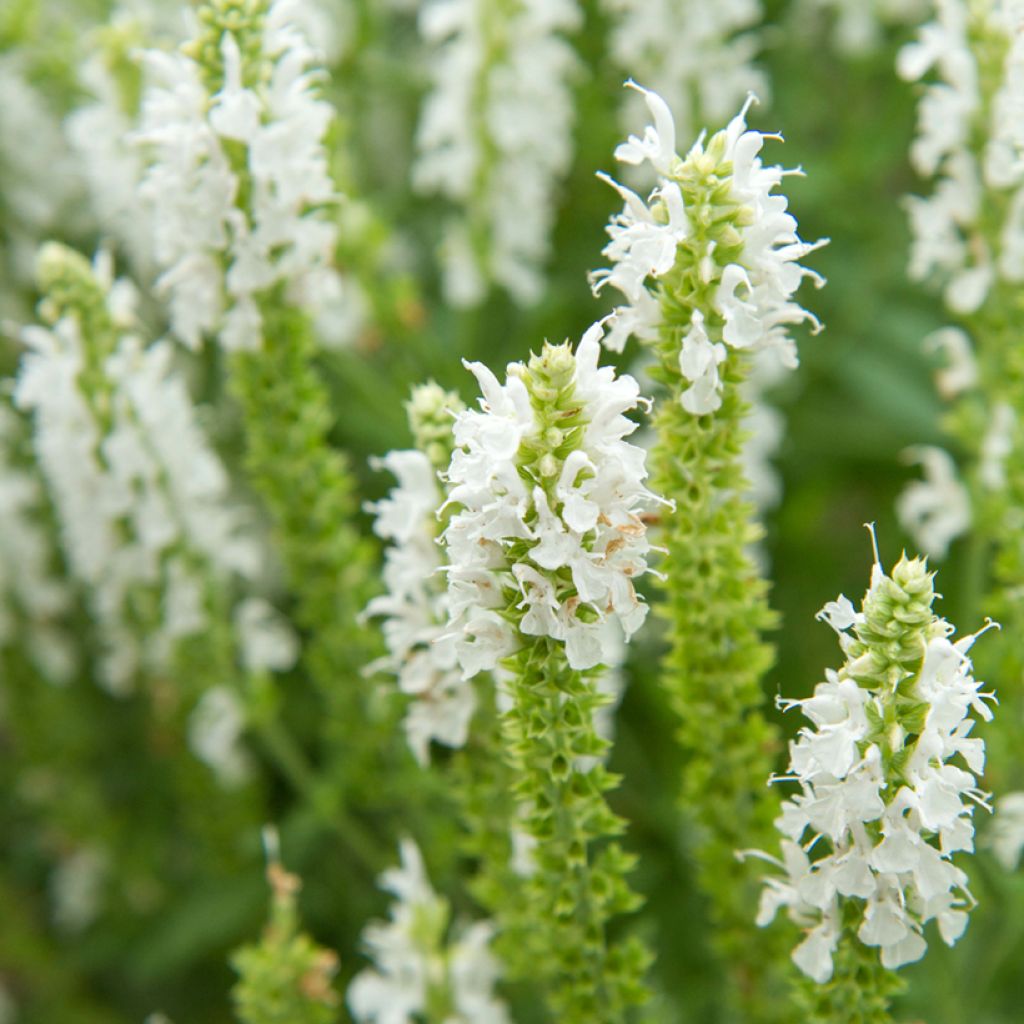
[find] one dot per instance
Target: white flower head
(936, 510)
(218, 259)
(748, 264)
(887, 782)
(575, 518)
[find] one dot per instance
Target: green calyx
(898, 612)
(431, 411)
(245, 20)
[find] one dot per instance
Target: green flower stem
(716, 609)
(308, 489)
(575, 889)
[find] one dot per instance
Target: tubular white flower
(34, 600)
(964, 46)
(421, 653)
(887, 772)
(495, 137)
(936, 510)
(215, 731)
(743, 284)
(547, 538)
(1006, 836)
(415, 967)
(238, 178)
(141, 498)
(696, 55)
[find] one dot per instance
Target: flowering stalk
(543, 548)
(495, 137)
(968, 239)
(418, 971)
(286, 976)
(421, 653)
(142, 499)
(887, 774)
(708, 267)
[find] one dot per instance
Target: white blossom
(76, 888)
(935, 510)
(141, 497)
(953, 243)
(753, 296)
(960, 372)
(268, 642)
(887, 790)
(494, 137)
(217, 259)
(37, 178)
(582, 537)
(413, 960)
(215, 731)
(996, 447)
(421, 654)
(33, 598)
(1006, 836)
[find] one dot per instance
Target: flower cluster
(716, 232)
(141, 497)
(888, 781)
(421, 651)
(966, 141)
(34, 600)
(1007, 833)
(935, 510)
(495, 136)
(36, 172)
(697, 56)
(415, 970)
(549, 536)
(238, 177)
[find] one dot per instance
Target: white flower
(969, 144)
(996, 447)
(752, 296)
(268, 642)
(494, 137)
(415, 609)
(960, 373)
(882, 829)
(936, 510)
(1007, 833)
(583, 540)
(218, 259)
(76, 888)
(141, 497)
(215, 730)
(412, 959)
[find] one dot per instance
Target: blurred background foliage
(183, 882)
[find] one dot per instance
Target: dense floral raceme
(421, 650)
(549, 536)
(969, 232)
(238, 178)
(888, 773)
(495, 137)
(142, 499)
(416, 970)
(34, 599)
(697, 56)
(715, 233)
